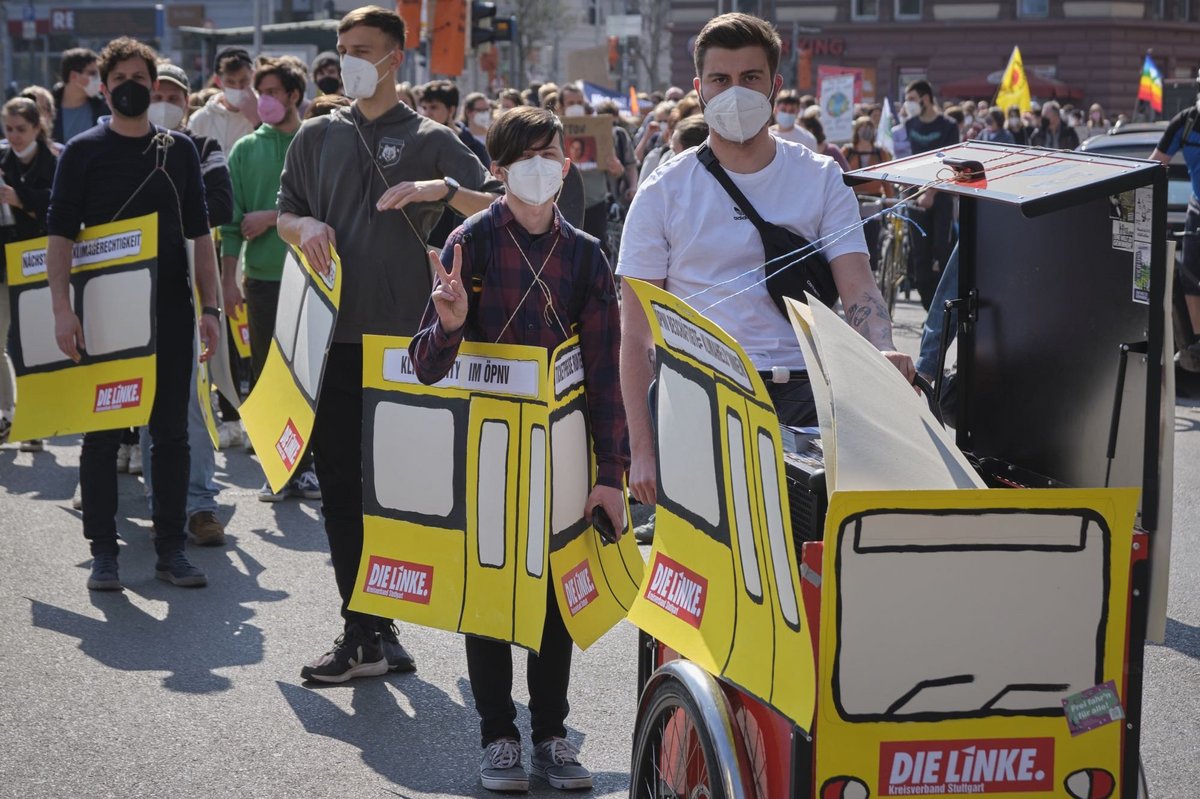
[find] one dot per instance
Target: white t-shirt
(215, 121)
(797, 134)
(685, 229)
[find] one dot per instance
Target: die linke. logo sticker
(579, 588)
(115, 396)
(678, 590)
(290, 445)
(954, 768)
(398, 579)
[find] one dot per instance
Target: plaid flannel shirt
(509, 312)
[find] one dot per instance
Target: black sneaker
(397, 656)
(176, 569)
(104, 575)
(354, 654)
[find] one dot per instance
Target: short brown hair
(77, 59)
(326, 104)
(28, 110)
(519, 130)
(375, 17)
(290, 70)
(735, 31)
(787, 97)
(123, 49)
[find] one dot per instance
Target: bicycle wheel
(674, 756)
(891, 270)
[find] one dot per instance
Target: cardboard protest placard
(280, 411)
(955, 627)
(473, 496)
(723, 585)
(588, 141)
(114, 279)
(239, 328)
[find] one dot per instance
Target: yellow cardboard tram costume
(972, 640)
(114, 277)
(473, 496)
(280, 411)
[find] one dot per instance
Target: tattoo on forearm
(650, 357)
(857, 314)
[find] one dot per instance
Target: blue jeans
(202, 463)
(931, 335)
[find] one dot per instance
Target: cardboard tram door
(473, 496)
(114, 279)
(723, 585)
(280, 411)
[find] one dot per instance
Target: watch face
(452, 183)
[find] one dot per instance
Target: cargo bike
(825, 630)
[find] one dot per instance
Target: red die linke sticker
(579, 588)
(398, 579)
(678, 590)
(997, 765)
(289, 445)
(115, 396)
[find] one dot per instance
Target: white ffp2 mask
(359, 77)
(166, 115)
(535, 180)
(737, 114)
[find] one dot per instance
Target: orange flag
(447, 52)
(410, 12)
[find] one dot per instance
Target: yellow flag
(1014, 87)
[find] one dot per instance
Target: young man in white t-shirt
(685, 233)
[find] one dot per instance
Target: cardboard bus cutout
(973, 642)
(723, 585)
(204, 383)
(114, 280)
(473, 495)
(239, 329)
(279, 413)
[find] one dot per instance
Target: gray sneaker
(104, 575)
(501, 769)
(556, 760)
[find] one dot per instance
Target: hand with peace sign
(449, 295)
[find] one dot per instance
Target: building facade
(1094, 48)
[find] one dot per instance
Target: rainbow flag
(1151, 87)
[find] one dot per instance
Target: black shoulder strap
(707, 157)
(1193, 115)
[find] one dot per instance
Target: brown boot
(206, 529)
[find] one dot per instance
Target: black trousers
(168, 447)
(490, 666)
(262, 301)
(793, 400)
(931, 252)
(337, 446)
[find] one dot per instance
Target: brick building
(1088, 50)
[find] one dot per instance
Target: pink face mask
(270, 110)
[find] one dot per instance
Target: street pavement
(160, 691)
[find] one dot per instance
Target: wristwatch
(211, 311)
(453, 186)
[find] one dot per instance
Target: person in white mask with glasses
(540, 281)
(372, 180)
(685, 232)
(77, 97)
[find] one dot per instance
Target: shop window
(1033, 8)
(864, 9)
(908, 9)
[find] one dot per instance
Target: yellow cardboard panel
(954, 623)
(279, 413)
(113, 280)
(723, 585)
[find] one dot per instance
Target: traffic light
(504, 29)
(480, 13)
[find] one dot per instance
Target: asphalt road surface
(159, 691)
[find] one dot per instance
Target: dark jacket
(218, 188)
(1068, 139)
(32, 184)
(99, 109)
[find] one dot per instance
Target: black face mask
(130, 99)
(329, 84)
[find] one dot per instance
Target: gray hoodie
(333, 173)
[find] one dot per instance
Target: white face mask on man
(536, 180)
(166, 115)
(359, 77)
(912, 108)
(93, 86)
(737, 114)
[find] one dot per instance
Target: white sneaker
(33, 445)
(135, 459)
(229, 435)
(123, 457)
